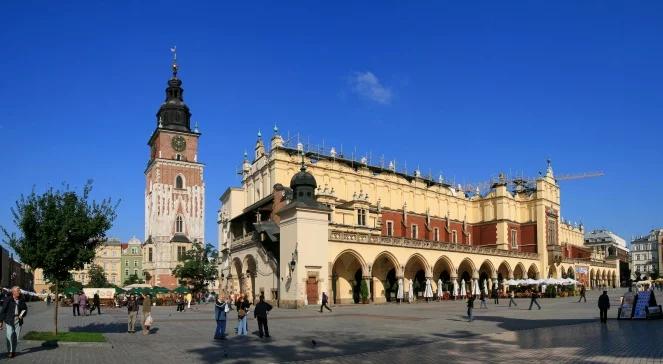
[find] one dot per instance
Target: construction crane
(521, 183)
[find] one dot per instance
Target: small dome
(303, 178)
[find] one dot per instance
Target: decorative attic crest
(465, 231)
(447, 225)
(428, 225)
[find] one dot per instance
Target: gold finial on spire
(173, 50)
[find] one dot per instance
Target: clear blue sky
(466, 89)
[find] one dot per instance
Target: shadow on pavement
(115, 327)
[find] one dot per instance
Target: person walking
(132, 309)
(512, 295)
(325, 301)
(97, 302)
(83, 303)
(482, 299)
(147, 313)
(260, 313)
(188, 300)
(75, 304)
(180, 303)
(12, 313)
(221, 309)
(583, 294)
(534, 296)
(470, 307)
(496, 294)
(604, 306)
(48, 300)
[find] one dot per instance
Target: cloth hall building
(302, 223)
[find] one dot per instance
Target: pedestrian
(482, 299)
(147, 313)
(188, 300)
(75, 304)
(470, 307)
(97, 302)
(221, 309)
(48, 300)
(583, 294)
(604, 306)
(496, 294)
(12, 314)
(325, 300)
(180, 303)
(242, 312)
(260, 313)
(83, 303)
(534, 296)
(132, 309)
(512, 295)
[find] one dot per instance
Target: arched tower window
(179, 224)
(179, 182)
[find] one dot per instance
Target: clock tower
(174, 188)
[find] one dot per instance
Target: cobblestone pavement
(563, 331)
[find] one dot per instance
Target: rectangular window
(126, 272)
(149, 254)
(361, 217)
(134, 250)
(454, 237)
(180, 252)
(126, 263)
(514, 238)
(637, 257)
(136, 271)
(436, 234)
(390, 228)
(415, 231)
(135, 263)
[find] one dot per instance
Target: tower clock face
(178, 143)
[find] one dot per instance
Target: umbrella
(456, 288)
(157, 289)
(439, 287)
(119, 290)
(428, 293)
(476, 290)
(399, 295)
(137, 285)
(410, 293)
(181, 289)
(71, 290)
(485, 287)
(463, 291)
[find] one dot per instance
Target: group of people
(81, 300)
(242, 305)
(133, 306)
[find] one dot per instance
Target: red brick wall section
(401, 230)
(576, 252)
(527, 241)
(484, 235)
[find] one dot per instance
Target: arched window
(179, 224)
(179, 182)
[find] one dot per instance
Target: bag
(149, 320)
(242, 313)
(226, 308)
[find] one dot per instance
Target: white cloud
(368, 85)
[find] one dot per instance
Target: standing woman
(83, 303)
(12, 313)
(242, 310)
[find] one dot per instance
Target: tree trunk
(57, 303)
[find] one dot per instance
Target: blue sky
(466, 89)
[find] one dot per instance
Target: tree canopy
(198, 267)
(133, 279)
(59, 231)
(97, 277)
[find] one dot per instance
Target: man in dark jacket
(496, 294)
(583, 294)
(97, 302)
(325, 300)
(533, 300)
(260, 313)
(604, 306)
(132, 309)
(12, 314)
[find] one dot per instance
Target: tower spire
(174, 114)
(174, 65)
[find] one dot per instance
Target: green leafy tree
(364, 291)
(133, 279)
(59, 231)
(198, 267)
(69, 285)
(97, 277)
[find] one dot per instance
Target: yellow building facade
(380, 225)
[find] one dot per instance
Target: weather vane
(174, 66)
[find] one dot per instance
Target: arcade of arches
(382, 270)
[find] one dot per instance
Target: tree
(97, 277)
(364, 291)
(59, 231)
(67, 285)
(133, 279)
(198, 267)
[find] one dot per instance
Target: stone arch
(533, 271)
(385, 272)
(592, 278)
(552, 272)
(444, 270)
(250, 267)
(486, 274)
(504, 272)
(348, 271)
(236, 274)
(519, 271)
(416, 270)
(467, 271)
(570, 273)
(615, 284)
